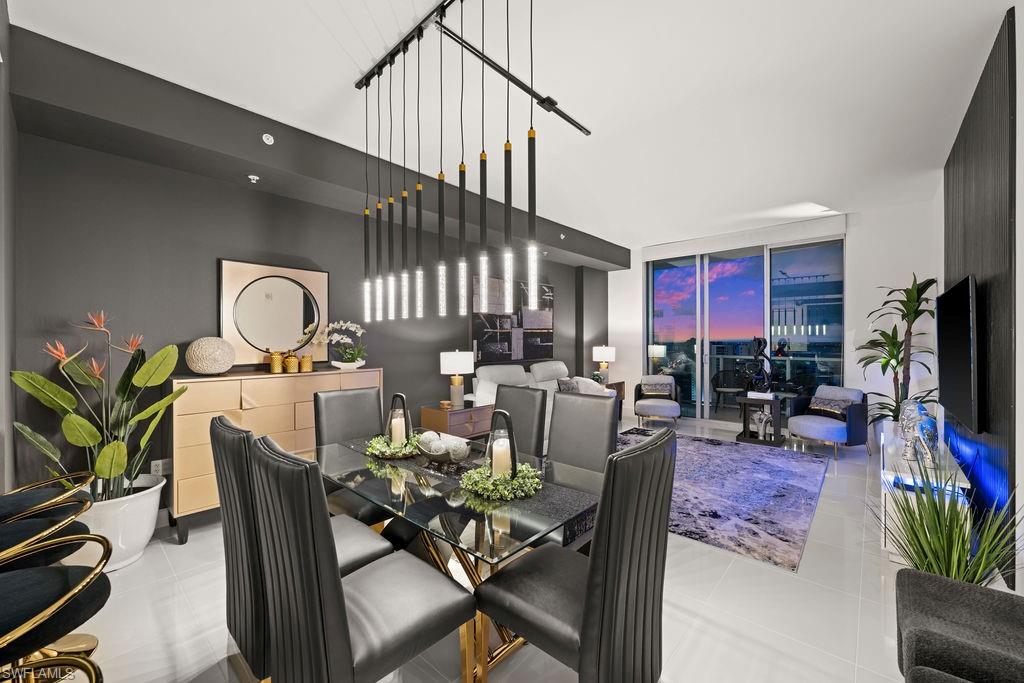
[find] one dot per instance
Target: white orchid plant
(338, 336)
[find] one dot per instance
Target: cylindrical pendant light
(367, 286)
(442, 267)
(483, 271)
(508, 256)
(378, 283)
(419, 283)
(462, 278)
(391, 281)
(532, 275)
(404, 278)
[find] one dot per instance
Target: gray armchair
(849, 428)
(656, 397)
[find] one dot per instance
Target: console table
(464, 422)
(746, 435)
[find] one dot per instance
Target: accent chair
(834, 415)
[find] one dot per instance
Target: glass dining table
(481, 534)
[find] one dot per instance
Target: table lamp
(456, 364)
(603, 355)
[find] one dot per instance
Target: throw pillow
(585, 385)
(569, 385)
(656, 390)
(834, 408)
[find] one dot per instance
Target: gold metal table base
(476, 657)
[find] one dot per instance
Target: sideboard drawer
(360, 379)
(269, 419)
(196, 494)
(194, 429)
(208, 397)
(463, 429)
(304, 418)
(193, 461)
(286, 389)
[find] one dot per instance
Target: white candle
(398, 483)
(501, 455)
(397, 431)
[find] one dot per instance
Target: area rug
(757, 501)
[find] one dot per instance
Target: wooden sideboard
(277, 405)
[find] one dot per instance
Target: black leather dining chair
(340, 416)
(330, 629)
(599, 615)
(247, 616)
(526, 407)
(583, 430)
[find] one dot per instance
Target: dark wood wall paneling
(979, 239)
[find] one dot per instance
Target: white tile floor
(726, 618)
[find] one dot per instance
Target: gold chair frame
(42, 661)
(84, 504)
(85, 479)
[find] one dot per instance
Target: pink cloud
(749, 292)
(724, 297)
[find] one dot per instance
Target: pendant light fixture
(378, 284)
(404, 278)
(367, 285)
(463, 268)
(391, 282)
(419, 279)
(483, 273)
(532, 275)
(442, 267)
(508, 256)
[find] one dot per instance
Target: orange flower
(57, 350)
(96, 369)
(131, 343)
(97, 321)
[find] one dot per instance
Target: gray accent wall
(591, 316)
(141, 241)
(8, 153)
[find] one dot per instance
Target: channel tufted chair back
(621, 631)
(309, 634)
(246, 596)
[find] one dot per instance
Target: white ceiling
(706, 115)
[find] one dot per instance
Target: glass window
(672, 324)
(807, 316)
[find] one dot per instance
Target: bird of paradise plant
(104, 426)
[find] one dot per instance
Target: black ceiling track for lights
(545, 102)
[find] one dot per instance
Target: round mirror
(272, 312)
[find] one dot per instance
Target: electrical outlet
(161, 467)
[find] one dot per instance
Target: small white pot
(348, 366)
(127, 522)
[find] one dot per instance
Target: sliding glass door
(734, 310)
(704, 311)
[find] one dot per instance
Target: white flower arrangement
(347, 347)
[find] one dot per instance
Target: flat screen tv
(957, 349)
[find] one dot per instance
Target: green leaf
(124, 385)
(158, 406)
(79, 431)
(112, 460)
(39, 441)
(78, 375)
(157, 369)
(45, 391)
(144, 441)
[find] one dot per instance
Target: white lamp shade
(604, 354)
(656, 351)
(456, 362)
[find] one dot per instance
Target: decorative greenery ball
(380, 447)
(479, 481)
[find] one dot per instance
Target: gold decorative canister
(306, 362)
(291, 363)
(276, 362)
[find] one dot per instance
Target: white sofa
(543, 375)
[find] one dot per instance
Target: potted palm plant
(113, 426)
(895, 351)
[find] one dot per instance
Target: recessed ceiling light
(268, 139)
(561, 235)
(254, 179)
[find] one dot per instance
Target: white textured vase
(348, 366)
(210, 356)
(126, 522)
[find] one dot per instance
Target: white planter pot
(348, 366)
(128, 523)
